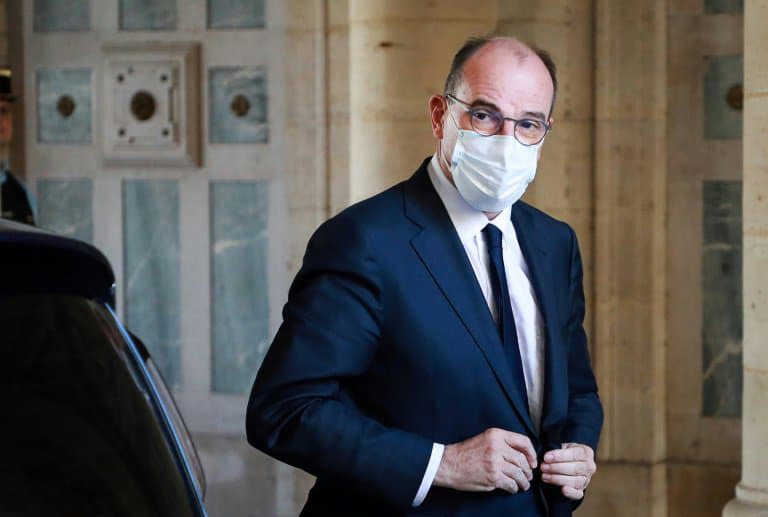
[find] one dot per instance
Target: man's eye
(481, 115)
(527, 123)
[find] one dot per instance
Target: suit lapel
(440, 250)
(540, 266)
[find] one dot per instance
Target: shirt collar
(468, 221)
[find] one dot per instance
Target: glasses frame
(469, 108)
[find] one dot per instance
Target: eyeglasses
(488, 122)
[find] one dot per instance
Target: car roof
(35, 261)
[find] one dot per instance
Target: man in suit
(432, 358)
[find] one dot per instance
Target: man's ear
(437, 106)
(551, 122)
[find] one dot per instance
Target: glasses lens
(485, 121)
(529, 131)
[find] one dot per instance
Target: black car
(88, 426)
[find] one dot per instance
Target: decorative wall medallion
(61, 15)
(143, 105)
(238, 105)
(64, 105)
(236, 14)
(151, 91)
(735, 97)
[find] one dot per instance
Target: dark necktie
(506, 320)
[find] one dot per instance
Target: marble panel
(64, 105)
(721, 332)
(66, 207)
(724, 77)
(723, 6)
(148, 15)
(151, 290)
(240, 301)
(236, 14)
(61, 15)
(238, 105)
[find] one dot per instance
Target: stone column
(630, 270)
(752, 491)
(564, 180)
(400, 53)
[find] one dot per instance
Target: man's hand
(493, 459)
(571, 468)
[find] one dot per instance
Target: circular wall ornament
(66, 106)
(735, 97)
(240, 105)
(143, 105)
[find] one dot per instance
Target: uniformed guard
(15, 201)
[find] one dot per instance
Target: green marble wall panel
(721, 299)
(61, 15)
(723, 6)
(64, 105)
(236, 14)
(151, 282)
(721, 121)
(238, 105)
(66, 207)
(147, 15)
(240, 301)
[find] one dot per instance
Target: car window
(80, 433)
(185, 440)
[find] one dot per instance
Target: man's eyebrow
(485, 104)
(528, 114)
(535, 114)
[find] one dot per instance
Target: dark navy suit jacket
(387, 345)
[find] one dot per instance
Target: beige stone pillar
(563, 187)
(400, 53)
(630, 271)
(752, 491)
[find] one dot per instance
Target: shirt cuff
(429, 475)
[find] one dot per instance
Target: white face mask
(492, 172)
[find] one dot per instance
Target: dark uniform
(14, 202)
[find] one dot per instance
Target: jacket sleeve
(585, 413)
(299, 411)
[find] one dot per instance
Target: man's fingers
(576, 482)
(572, 468)
(518, 477)
(523, 444)
(572, 493)
(572, 453)
(519, 460)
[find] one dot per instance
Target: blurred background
(262, 118)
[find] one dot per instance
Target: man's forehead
(506, 71)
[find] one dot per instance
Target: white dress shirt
(469, 224)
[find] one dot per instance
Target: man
(432, 358)
(15, 202)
